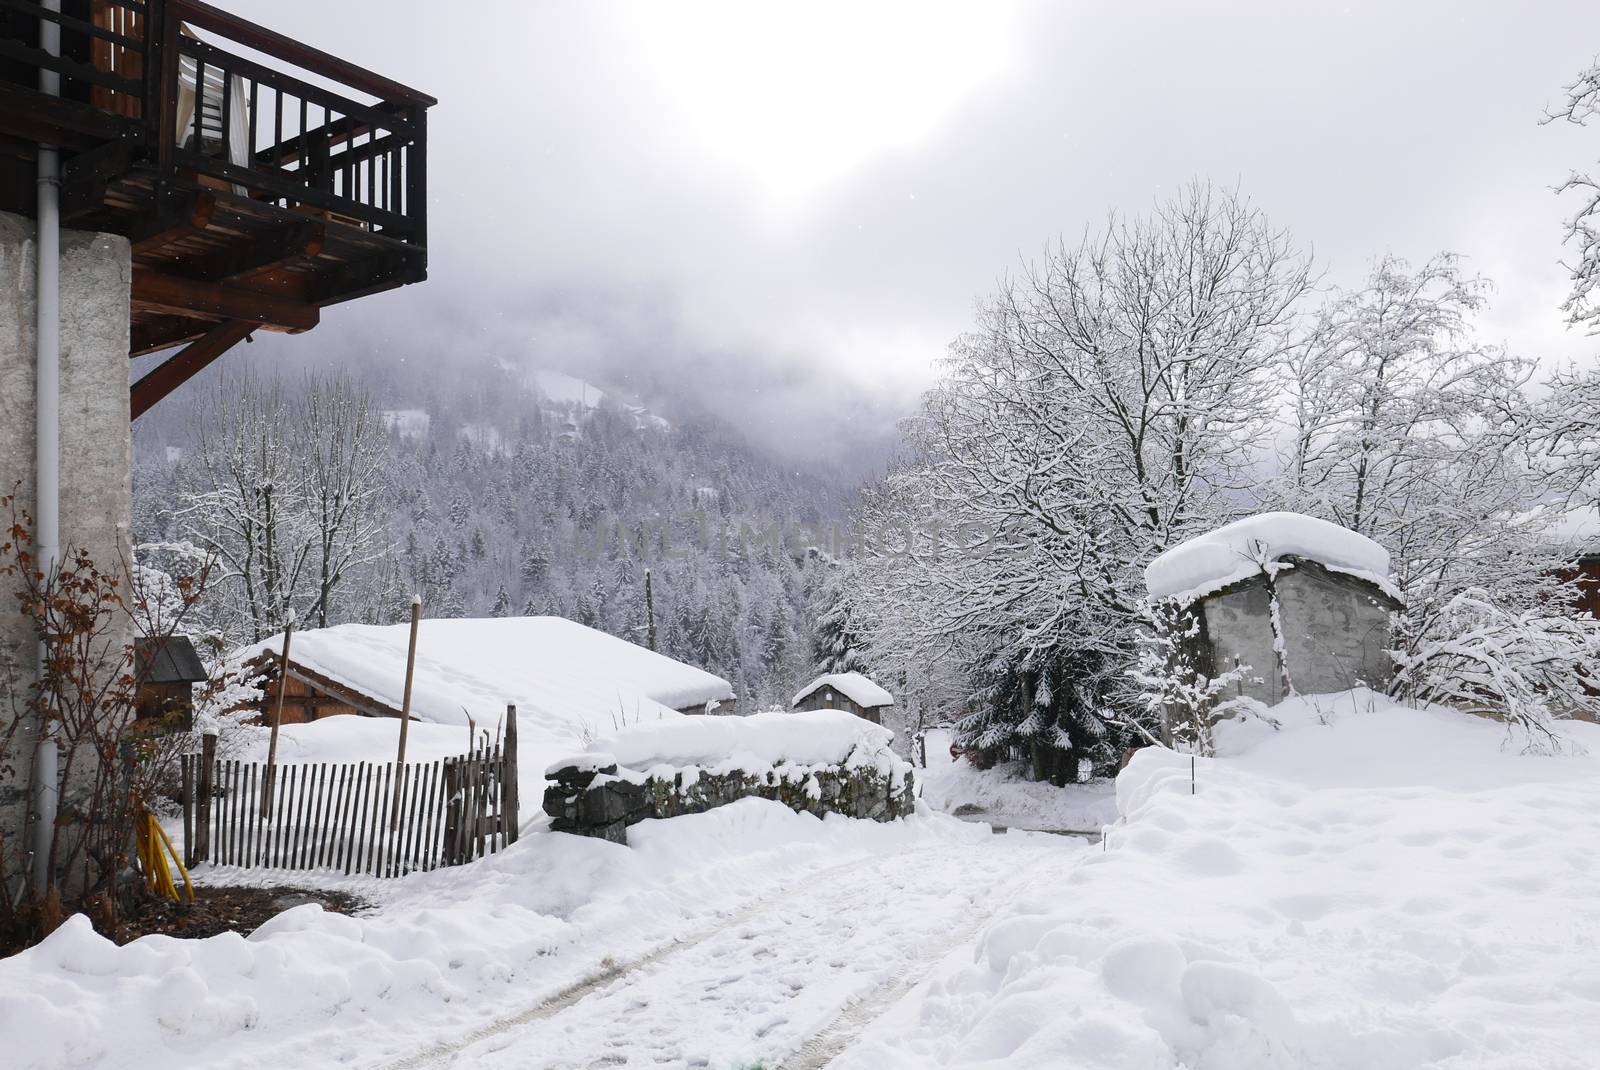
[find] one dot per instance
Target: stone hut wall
(599, 802)
(1336, 632)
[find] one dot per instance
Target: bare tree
(289, 494)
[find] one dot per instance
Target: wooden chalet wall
(819, 700)
(310, 696)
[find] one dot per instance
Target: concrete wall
(1336, 632)
(1238, 625)
(1336, 629)
(96, 497)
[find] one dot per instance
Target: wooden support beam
(370, 275)
(177, 370)
(156, 333)
(84, 177)
(177, 217)
(270, 249)
(157, 292)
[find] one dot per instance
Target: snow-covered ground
(1004, 797)
(1368, 887)
(1371, 887)
(770, 922)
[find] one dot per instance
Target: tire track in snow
(443, 1054)
(804, 970)
(838, 1036)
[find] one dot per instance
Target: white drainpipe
(47, 406)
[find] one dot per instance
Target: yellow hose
(150, 837)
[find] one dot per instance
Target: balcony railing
(167, 81)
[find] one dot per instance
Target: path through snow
(777, 980)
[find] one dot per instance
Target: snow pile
(1005, 797)
(757, 744)
(1237, 551)
(566, 680)
(448, 952)
(852, 685)
(1371, 888)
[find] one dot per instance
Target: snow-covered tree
(289, 494)
(1107, 406)
(1580, 104)
(835, 646)
(1406, 427)
(1528, 667)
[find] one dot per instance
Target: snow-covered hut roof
(1236, 551)
(564, 678)
(853, 686)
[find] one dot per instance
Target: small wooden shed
(845, 691)
(166, 670)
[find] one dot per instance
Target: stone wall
(599, 802)
(96, 502)
(1336, 632)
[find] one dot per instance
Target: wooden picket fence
(342, 817)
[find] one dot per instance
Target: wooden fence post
(186, 763)
(508, 781)
(204, 787)
(452, 811)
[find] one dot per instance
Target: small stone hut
(845, 691)
(1306, 605)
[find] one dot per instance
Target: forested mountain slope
(508, 490)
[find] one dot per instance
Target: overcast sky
(790, 209)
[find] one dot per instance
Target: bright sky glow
(790, 97)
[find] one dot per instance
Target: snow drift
(1373, 887)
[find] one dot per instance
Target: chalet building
(173, 178)
(845, 691)
(555, 671)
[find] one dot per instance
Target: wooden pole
(509, 798)
(649, 610)
(277, 719)
(405, 710)
(204, 786)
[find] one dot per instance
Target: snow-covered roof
(853, 686)
(1238, 550)
(565, 679)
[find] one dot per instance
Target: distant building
(845, 691)
(555, 671)
(1306, 606)
(166, 670)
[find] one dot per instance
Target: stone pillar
(96, 449)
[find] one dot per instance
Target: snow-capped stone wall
(604, 801)
(818, 761)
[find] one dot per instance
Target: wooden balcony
(258, 179)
